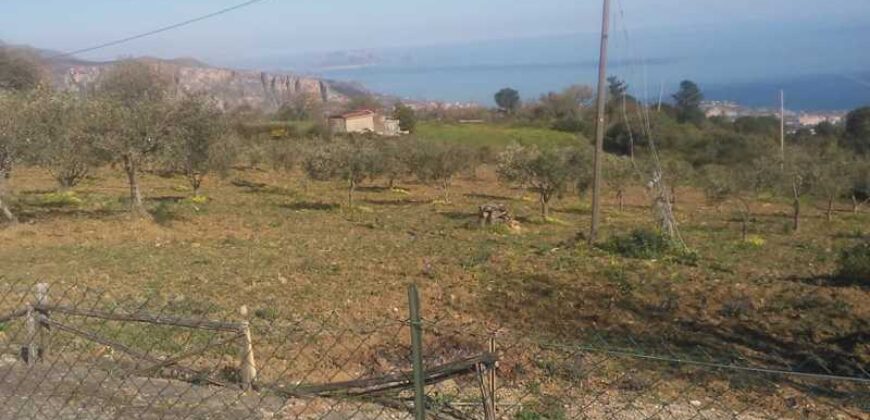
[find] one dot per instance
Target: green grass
(494, 135)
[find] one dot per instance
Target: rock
(496, 214)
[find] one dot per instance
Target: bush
(854, 265)
(641, 243)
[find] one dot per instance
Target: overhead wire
(159, 30)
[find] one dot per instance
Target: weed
(60, 199)
(854, 265)
(267, 313)
(640, 243)
(737, 307)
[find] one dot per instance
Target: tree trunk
(620, 198)
(830, 212)
(545, 207)
(133, 180)
(6, 212)
(855, 205)
(673, 198)
(350, 191)
(797, 214)
(446, 186)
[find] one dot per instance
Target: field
(283, 245)
(493, 135)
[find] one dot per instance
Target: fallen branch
(391, 382)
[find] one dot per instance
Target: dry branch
(395, 381)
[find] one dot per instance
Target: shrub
(854, 265)
(640, 243)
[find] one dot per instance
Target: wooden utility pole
(599, 125)
(782, 128)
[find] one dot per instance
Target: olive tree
(548, 172)
(677, 173)
(438, 163)
(742, 183)
(800, 173)
(11, 129)
(197, 143)
(64, 133)
(352, 159)
(833, 169)
(619, 173)
(136, 118)
(395, 157)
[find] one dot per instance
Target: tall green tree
(508, 100)
(406, 116)
(688, 103)
(857, 134)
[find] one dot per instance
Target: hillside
(232, 88)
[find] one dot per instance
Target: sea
(818, 68)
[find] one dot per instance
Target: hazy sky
(296, 26)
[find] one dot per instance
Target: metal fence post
(417, 352)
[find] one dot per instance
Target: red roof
(355, 114)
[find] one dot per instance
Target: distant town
(793, 119)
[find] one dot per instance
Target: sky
(280, 27)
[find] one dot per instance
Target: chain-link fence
(72, 352)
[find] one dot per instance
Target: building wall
(337, 125)
(360, 124)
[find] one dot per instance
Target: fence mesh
(73, 352)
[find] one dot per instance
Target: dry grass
(285, 246)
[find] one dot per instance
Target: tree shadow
(312, 206)
(260, 188)
(165, 199)
(459, 215)
(55, 213)
(830, 281)
(372, 188)
(398, 202)
(489, 197)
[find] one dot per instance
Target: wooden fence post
(43, 330)
(30, 351)
(247, 367)
(492, 376)
(417, 353)
(37, 329)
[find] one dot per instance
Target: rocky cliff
(231, 88)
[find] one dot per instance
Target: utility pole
(782, 129)
(599, 125)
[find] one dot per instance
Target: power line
(159, 30)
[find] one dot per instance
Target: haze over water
(819, 68)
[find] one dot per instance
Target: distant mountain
(231, 88)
